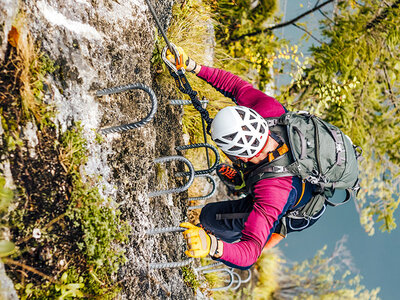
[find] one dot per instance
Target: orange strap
(277, 152)
(303, 188)
(273, 241)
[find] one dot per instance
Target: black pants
(228, 230)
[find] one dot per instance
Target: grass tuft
(31, 66)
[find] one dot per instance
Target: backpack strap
(350, 193)
(274, 169)
(237, 215)
(279, 162)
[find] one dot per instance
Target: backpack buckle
(339, 147)
(278, 169)
(312, 180)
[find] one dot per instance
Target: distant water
(375, 257)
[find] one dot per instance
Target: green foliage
(268, 267)
(101, 227)
(72, 150)
(102, 233)
(214, 279)
(6, 196)
(239, 17)
(190, 278)
(69, 289)
(252, 57)
(323, 277)
(6, 248)
(32, 66)
(96, 217)
(352, 81)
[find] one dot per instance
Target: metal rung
(179, 189)
(123, 88)
(193, 146)
(211, 179)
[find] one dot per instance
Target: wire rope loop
(238, 281)
(178, 189)
(210, 266)
(193, 146)
(248, 276)
(165, 230)
(223, 288)
(174, 264)
(124, 88)
(210, 194)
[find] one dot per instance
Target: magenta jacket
(272, 197)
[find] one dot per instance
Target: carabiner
(178, 59)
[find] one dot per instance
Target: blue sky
(375, 257)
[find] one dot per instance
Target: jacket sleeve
(272, 199)
(241, 92)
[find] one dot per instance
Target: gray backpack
(319, 153)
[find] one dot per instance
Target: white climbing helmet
(239, 131)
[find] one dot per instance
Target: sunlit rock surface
(99, 44)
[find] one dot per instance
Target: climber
(236, 232)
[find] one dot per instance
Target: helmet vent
(256, 143)
(235, 148)
(230, 137)
(248, 138)
(218, 141)
(252, 117)
(240, 141)
(245, 128)
(254, 125)
(243, 153)
(241, 113)
(262, 129)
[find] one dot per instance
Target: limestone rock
(8, 11)
(7, 291)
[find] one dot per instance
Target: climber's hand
(184, 61)
(199, 243)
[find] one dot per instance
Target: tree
(323, 277)
(293, 21)
(252, 56)
(352, 80)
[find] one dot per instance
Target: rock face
(8, 11)
(7, 291)
(104, 43)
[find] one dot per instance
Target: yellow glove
(184, 60)
(200, 244)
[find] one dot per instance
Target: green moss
(190, 278)
(6, 196)
(100, 223)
